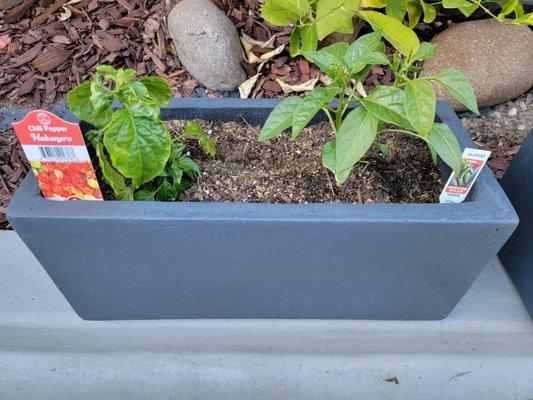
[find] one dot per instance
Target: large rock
(497, 58)
(207, 44)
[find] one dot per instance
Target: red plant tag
(58, 156)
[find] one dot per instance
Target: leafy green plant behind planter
(313, 20)
(407, 107)
(137, 156)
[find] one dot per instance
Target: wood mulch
(43, 56)
(13, 168)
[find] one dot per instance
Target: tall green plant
(137, 156)
(407, 107)
(313, 20)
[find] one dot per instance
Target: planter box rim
(487, 202)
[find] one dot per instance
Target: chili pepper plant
(407, 107)
(136, 154)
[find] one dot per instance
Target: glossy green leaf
(280, 118)
(387, 104)
(326, 61)
(79, 102)
(294, 42)
(364, 44)
(335, 16)
(188, 166)
(526, 19)
(444, 142)
(196, 131)
(284, 12)
(338, 49)
(158, 89)
(139, 146)
(396, 9)
(469, 10)
(354, 138)
(374, 57)
(111, 176)
(430, 12)
(400, 36)
(455, 3)
(420, 102)
(144, 195)
(459, 87)
(308, 38)
(166, 192)
(414, 12)
(329, 156)
(426, 51)
(309, 106)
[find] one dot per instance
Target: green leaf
(309, 106)
(283, 12)
(430, 12)
(444, 142)
(308, 38)
(101, 97)
(426, 51)
(107, 71)
(194, 130)
(79, 102)
(335, 16)
(326, 61)
(374, 57)
(526, 19)
(329, 160)
(280, 118)
(175, 172)
(414, 11)
(459, 87)
(337, 50)
(420, 102)
(111, 176)
(356, 135)
(364, 44)
(166, 192)
(401, 37)
(396, 9)
(294, 42)
(455, 3)
(373, 3)
(188, 166)
(387, 104)
(158, 89)
(139, 146)
(144, 195)
(508, 7)
(329, 156)
(469, 10)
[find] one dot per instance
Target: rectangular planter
(150, 260)
(517, 254)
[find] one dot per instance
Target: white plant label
(458, 186)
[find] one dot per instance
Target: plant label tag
(458, 186)
(58, 157)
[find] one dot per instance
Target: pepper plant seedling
(137, 156)
(407, 107)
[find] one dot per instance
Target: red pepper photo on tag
(58, 157)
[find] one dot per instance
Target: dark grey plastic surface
(149, 260)
(517, 254)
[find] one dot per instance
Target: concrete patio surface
(483, 350)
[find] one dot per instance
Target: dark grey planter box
(147, 260)
(517, 254)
